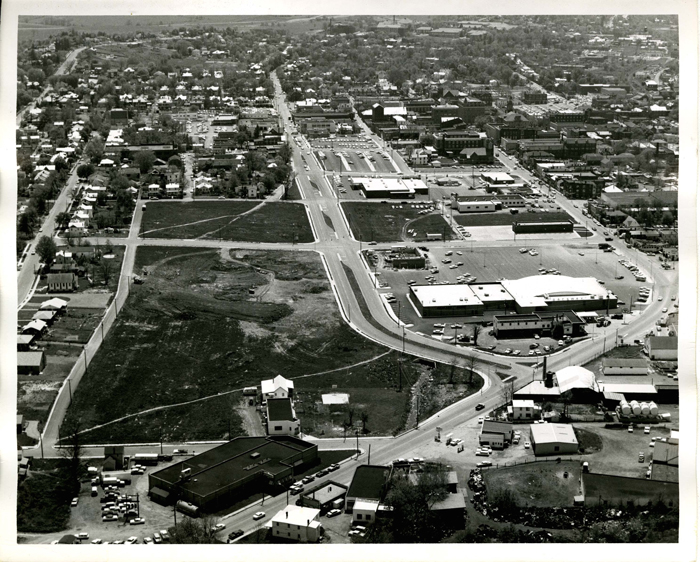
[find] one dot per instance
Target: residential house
(30, 362)
(523, 410)
(62, 282)
(54, 304)
(35, 327)
(302, 524)
(281, 418)
(279, 387)
(24, 341)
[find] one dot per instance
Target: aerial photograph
(346, 280)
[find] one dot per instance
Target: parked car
(137, 521)
(527, 444)
(235, 534)
(334, 466)
(333, 513)
(82, 536)
(74, 502)
(147, 540)
(131, 540)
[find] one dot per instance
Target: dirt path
(225, 255)
(234, 219)
(250, 419)
(166, 406)
(157, 264)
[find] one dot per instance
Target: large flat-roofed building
(238, 469)
(369, 484)
(553, 439)
(618, 366)
(542, 293)
(542, 226)
(386, 188)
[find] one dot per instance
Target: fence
(533, 461)
(64, 396)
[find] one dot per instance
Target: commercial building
(662, 348)
(241, 468)
(495, 433)
(281, 418)
(542, 293)
(581, 382)
(615, 366)
(406, 258)
(302, 524)
(476, 206)
(540, 323)
(369, 484)
(553, 439)
(389, 187)
(542, 226)
(326, 496)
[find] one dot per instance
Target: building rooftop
(279, 409)
(368, 482)
(663, 342)
(29, 358)
(553, 433)
(326, 492)
(297, 515)
(617, 362)
(270, 385)
(629, 388)
(445, 295)
(576, 377)
(523, 403)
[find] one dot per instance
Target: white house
(365, 511)
(524, 410)
(279, 387)
(298, 523)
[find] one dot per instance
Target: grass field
(382, 223)
(272, 222)
(193, 330)
(505, 218)
(538, 484)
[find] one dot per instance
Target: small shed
(30, 362)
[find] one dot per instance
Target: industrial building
(581, 382)
(553, 439)
(241, 468)
(525, 296)
(326, 496)
(662, 348)
(616, 366)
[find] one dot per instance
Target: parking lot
(493, 263)
(348, 154)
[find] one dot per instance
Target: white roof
(537, 388)
(35, 324)
(271, 385)
(576, 377)
(630, 388)
(445, 295)
(297, 515)
(538, 290)
(552, 433)
(335, 398)
(53, 304)
(523, 403)
(365, 505)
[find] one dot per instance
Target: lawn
(537, 484)
(382, 223)
(221, 220)
(44, 501)
(193, 330)
(505, 218)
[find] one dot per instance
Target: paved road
(334, 241)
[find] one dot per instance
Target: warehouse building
(239, 469)
(389, 187)
(662, 348)
(326, 496)
(368, 486)
(553, 439)
(496, 433)
(616, 366)
(536, 294)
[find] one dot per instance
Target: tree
(144, 160)
(471, 365)
(46, 249)
(73, 450)
(94, 150)
(364, 417)
(507, 393)
(194, 531)
(476, 330)
(412, 519)
(106, 269)
(62, 220)
(27, 220)
(566, 399)
(175, 161)
(85, 170)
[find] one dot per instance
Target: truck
(250, 391)
(146, 458)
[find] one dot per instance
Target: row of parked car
(298, 487)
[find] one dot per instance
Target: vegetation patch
(384, 223)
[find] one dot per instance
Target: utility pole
(70, 391)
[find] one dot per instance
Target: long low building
(553, 439)
(541, 293)
(389, 187)
(238, 469)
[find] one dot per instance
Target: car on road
(96, 541)
(218, 527)
(259, 515)
(82, 536)
(334, 466)
(618, 277)
(74, 502)
(308, 479)
(581, 254)
(480, 407)
(527, 444)
(480, 420)
(333, 513)
(137, 521)
(235, 534)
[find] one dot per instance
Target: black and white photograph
(395, 282)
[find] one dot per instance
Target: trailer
(145, 458)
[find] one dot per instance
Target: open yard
(390, 222)
(537, 484)
(245, 221)
(206, 323)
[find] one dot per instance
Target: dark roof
(616, 362)
(493, 426)
(368, 482)
(60, 278)
(159, 493)
(231, 462)
(280, 409)
(663, 342)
